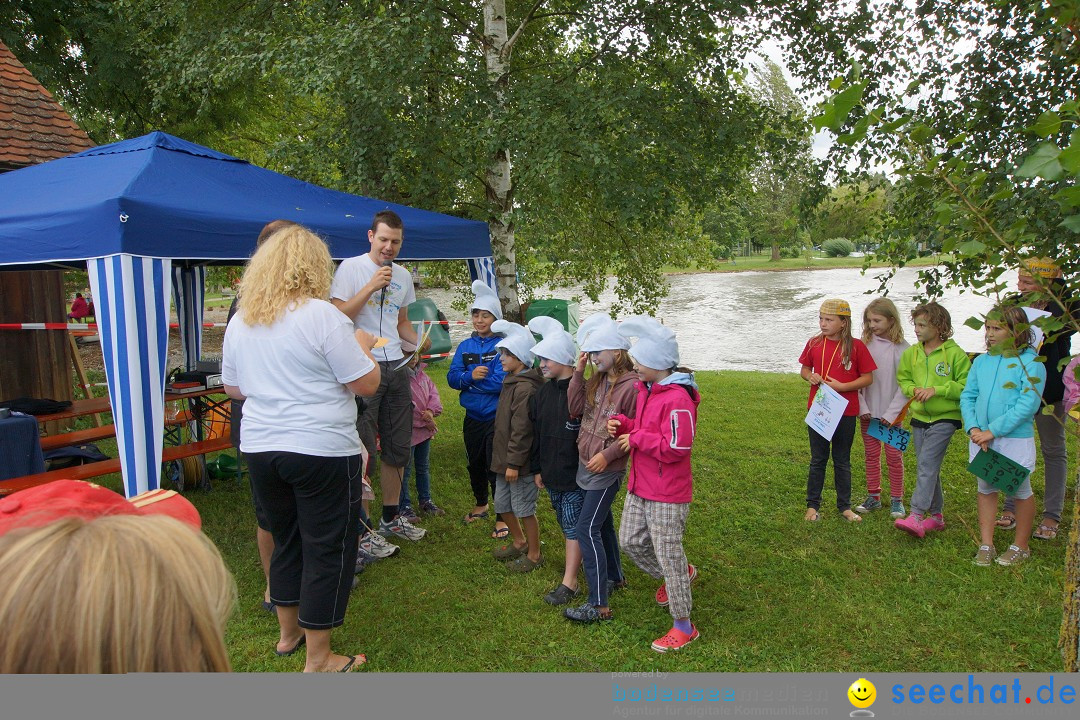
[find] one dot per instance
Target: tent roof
(161, 196)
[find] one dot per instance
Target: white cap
(557, 345)
(599, 332)
(486, 299)
(656, 347)
(518, 340)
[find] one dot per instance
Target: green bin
(564, 311)
(425, 309)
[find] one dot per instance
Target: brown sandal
(1045, 532)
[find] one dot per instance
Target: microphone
(382, 296)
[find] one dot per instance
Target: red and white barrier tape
(77, 326)
(93, 326)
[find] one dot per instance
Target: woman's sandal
(354, 661)
(501, 533)
(851, 516)
(812, 515)
(1045, 532)
(1005, 521)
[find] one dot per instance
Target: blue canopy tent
(150, 213)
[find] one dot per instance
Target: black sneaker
(561, 595)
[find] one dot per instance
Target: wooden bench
(112, 465)
(81, 437)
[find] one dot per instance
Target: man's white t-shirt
(292, 374)
(353, 274)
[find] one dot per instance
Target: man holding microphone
(376, 293)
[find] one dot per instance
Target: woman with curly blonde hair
(297, 363)
(113, 594)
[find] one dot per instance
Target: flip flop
(269, 606)
(353, 662)
(1045, 532)
(852, 518)
(297, 646)
(473, 517)
(812, 518)
(500, 533)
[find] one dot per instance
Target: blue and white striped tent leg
(189, 293)
(483, 269)
(132, 302)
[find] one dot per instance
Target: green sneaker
(870, 504)
(897, 508)
(985, 556)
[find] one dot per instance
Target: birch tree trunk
(500, 190)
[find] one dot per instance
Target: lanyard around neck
(826, 368)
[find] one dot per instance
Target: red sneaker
(675, 639)
(661, 592)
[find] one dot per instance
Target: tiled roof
(33, 126)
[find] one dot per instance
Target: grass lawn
(775, 593)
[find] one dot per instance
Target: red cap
(43, 504)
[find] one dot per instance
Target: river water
(762, 320)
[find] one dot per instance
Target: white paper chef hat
(656, 347)
(518, 340)
(557, 345)
(486, 299)
(599, 332)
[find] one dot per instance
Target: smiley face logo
(862, 693)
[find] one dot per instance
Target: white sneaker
(373, 544)
(401, 528)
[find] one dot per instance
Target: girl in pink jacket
(426, 407)
(660, 485)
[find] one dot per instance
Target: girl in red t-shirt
(842, 362)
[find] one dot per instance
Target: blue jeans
(599, 543)
(420, 459)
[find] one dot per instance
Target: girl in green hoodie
(932, 372)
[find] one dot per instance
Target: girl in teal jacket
(1003, 392)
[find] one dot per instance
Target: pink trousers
(894, 459)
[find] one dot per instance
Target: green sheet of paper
(1001, 472)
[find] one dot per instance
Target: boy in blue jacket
(477, 373)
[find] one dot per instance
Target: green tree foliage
(952, 96)
(852, 210)
(590, 131)
(118, 70)
(786, 174)
(766, 208)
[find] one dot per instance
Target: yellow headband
(836, 307)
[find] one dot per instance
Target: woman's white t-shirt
(293, 373)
